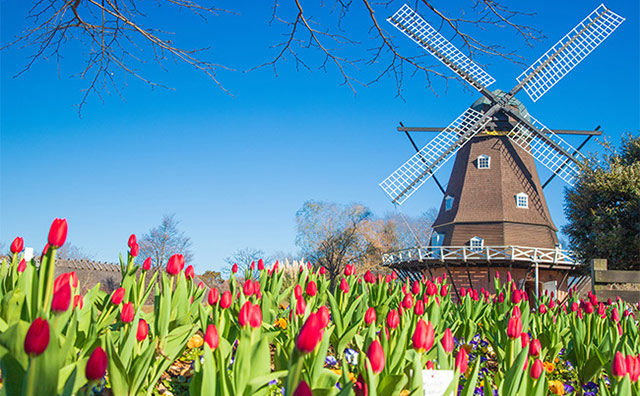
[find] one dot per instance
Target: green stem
(51, 267)
(30, 388)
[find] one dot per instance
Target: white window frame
(480, 161)
(448, 202)
(476, 244)
(522, 200)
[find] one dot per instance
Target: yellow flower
(405, 392)
(195, 341)
(351, 376)
(282, 323)
(549, 367)
(337, 371)
(556, 387)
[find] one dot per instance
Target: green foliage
(603, 208)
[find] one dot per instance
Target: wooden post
(600, 265)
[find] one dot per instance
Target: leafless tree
(243, 258)
(69, 251)
(163, 241)
(116, 38)
(411, 231)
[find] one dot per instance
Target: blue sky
(235, 169)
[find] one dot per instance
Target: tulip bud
(22, 265)
(135, 249)
(127, 312)
(360, 387)
(322, 271)
(255, 316)
(143, 330)
(173, 265)
(234, 268)
(407, 302)
(260, 265)
(432, 289)
(146, 265)
(393, 319)
(370, 316)
(514, 327)
(423, 336)
(323, 313)
(574, 306)
(297, 291)
(615, 316)
(77, 301)
(225, 300)
(58, 233)
(376, 356)
(247, 288)
(447, 341)
(418, 309)
(524, 340)
(536, 369)
(132, 241)
(243, 315)
(588, 308)
(117, 296)
(430, 365)
(301, 306)
(415, 289)
(302, 389)
(344, 286)
(394, 275)
(37, 338)
(619, 366)
(97, 364)
(443, 290)
(310, 334)
(189, 272)
(368, 277)
(61, 298)
(542, 309)
(462, 360)
(312, 289)
(252, 266)
(214, 295)
(211, 336)
(17, 245)
(535, 347)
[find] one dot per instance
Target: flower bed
(372, 335)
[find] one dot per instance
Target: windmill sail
(417, 29)
(549, 156)
(568, 52)
(413, 173)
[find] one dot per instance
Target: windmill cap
(483, 103)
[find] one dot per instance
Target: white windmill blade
(413, 173)
(417, 29)
(568, 52)
(549, 156)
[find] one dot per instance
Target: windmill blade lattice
(546, 154)
(417, 29)
(402, 183)
(568, 52)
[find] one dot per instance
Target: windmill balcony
(550, 258)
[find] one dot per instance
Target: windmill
(494, 209)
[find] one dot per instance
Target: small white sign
(436, 382)
(28, 254)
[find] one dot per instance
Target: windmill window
(448, 202)
(522, 200)
(476, 244)
(437, 239)
(484, 162)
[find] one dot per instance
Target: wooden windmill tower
(494, 210)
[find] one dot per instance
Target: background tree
(115, 38)
(69, 251)
(244, 257)
(212, 278)
(603, 207)
(163, 241)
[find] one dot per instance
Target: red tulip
(77, 301)
(588, 308)
(189, 272)
(301, 306)
(132, 241)
(322, 271)
(619, 366)
(143, 330)
(22, 265)
(58, 233)
(394, 275)
(360, 387)
(312, 289)
(376, 356)
(368, 277)
(418, 309)
(302, 389)
(524, 340)
(443, 290)
(615, 316)
(407, 302)
(135, 249)
(214, 295)
(415, 288)
(514, 327)
(323, 312)
(234, 268)
(97, 364)
(211, 336)
(447, 341)
(37, 338)
(17, 245)
(370, 316)
(430, 365)
(297, 291)
(117, 296)
(225, 300)
(574, 306)
(462, 360)
(173, 265)
(310, 334)
(535, 347)
(243, 315)
(601, 310)
(61, 298)
(423, 336)
(536, 369)
(344, 286)
(146, 266)
(260, 265)
(516, 297)
(255, 316)
(61, 280)
(432, 289)
(393, 319)
(252, 266)
(127, 312)
(542, 309)
(348, 270)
